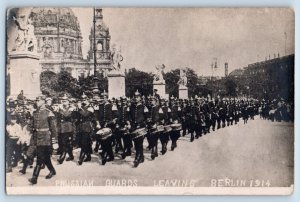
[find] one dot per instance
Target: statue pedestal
(183, 92)
(116, 84)
(161, 89)
(24, 74)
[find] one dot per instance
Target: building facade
(59, 42)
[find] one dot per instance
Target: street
(260, 151)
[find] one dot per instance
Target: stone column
(183, 92)
(160, 86)
(24, 74)
(116, 84)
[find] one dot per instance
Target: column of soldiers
(119, 126)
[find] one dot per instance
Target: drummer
(138, 117)
(152, 123)
(123, 126)
(175, 117)
(106, 116)
(165, 120)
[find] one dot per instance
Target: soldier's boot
(123, 155)
(119, 146)
(35, 175)
(51, 173)
(62, 158)
(81, 158)
(25, 165)
(88, 158)
(110, 153)
(184, 133)
(136, 160)
(153, 153)
(192, 137)
(70, 153)
(164, 148)
(43, 166)
(104, 157)
(96, 149)
(173, 145)
(197, 134)
(141, 157)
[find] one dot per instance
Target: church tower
(102, 42)
(226, 69)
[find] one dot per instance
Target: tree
(48, 83)
(138, 80)
(231, 87)
(86, 84)
(172, 79)
(66, 84)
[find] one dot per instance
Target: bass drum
(167, 128)
(139, 133)
(160, 128)
(176, 126)
(104, 133)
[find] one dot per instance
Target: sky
(194, 37)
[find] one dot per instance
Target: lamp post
(95, 89)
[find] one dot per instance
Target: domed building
(59, 42)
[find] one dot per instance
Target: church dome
(58, 33)
(63, 18)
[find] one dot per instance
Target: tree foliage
(138, 80)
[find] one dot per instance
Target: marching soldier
(152, 123)
(175, 118)
(44, 126)
(185, 107)
(65, 129)
(106, 116)
(122, 128)
(194, 125)
(165, 120)
(138, 117)
(85, 116)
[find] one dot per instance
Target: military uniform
(85, 117)
(106, 117)
(164, 120)
(138, 117)
(175, 117)
(153, 118)
(44, 125)
(65, 131)
(122, 128)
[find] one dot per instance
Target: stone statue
(116, 58)
(183, 78)
(25, 40)
(158, 76)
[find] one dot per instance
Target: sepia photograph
(149, 101)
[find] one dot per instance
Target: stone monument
(183, 89)
(158, 81)
(116, 77)
(24, 67)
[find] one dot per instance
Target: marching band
(108, 127)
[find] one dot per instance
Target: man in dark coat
(44, 125)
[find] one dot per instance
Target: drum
(124, 130)
(167, 128)
(176, 126)
(104, 133)
(139, 133)
(160, 128)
